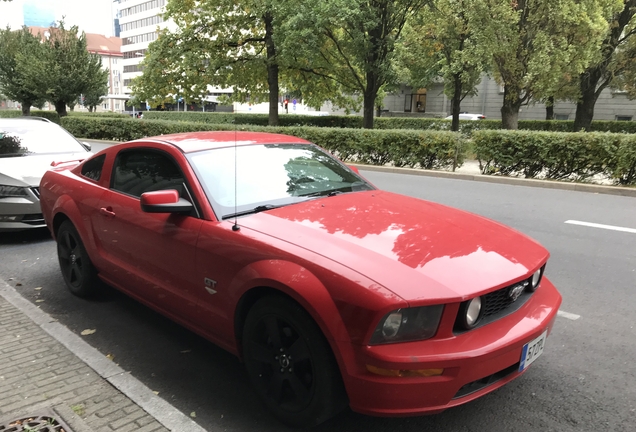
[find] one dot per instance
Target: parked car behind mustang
(28, 146)
(331, 291)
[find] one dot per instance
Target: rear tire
(77, 269)
(290, 363)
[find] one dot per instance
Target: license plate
(532, 350)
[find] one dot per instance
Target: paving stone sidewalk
(41, 378)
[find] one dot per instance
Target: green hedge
(424, 149)
(557, 155)
(51, 115)
(418, 123)
(98, 114)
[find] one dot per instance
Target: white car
(28, 148)
(468, 116)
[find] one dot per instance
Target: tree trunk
(510, 114)
(549, 108)
(585, 105)
(456, 102)
(26, 109)
(367, 110)
(272, 70)
(60, 107)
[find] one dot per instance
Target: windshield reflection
(240, 179)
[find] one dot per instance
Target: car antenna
(236, 226)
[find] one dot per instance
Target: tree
(216, 43)
(440, 42)
(23, 69)
(614, 60)
(72, 69)
(535, 43)
(347, 44)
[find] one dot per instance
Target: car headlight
(12, 191)
(470, 313)
(408, 324)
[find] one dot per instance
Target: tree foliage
(535, 44)
(72, 69)
(23, 73)
(441, 42)
(349, 45)
(614, 63)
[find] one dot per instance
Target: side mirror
(86, 145)
(354, 169)
(164, 201)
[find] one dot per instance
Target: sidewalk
(50, 375)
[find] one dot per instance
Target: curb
(548, 184)
(129, 386)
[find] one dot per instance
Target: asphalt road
(584, 381)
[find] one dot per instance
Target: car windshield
(28, 137)
(269, 176)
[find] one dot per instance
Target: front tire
(77, 269)
(290, 363)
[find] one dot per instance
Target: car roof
(10, 120)
(189, 142)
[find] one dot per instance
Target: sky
(91, 16)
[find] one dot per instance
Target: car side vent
(36, 192)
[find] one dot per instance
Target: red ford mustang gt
(331, 291)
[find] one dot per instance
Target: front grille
(497, 301)
(36, 192)
(479, 384)
(498, 304)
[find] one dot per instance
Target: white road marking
(595, 225)
(568, 315)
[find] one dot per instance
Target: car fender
(304, 287)
(66, 206)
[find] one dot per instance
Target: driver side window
(139, 171)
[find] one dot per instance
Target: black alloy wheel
(291, 364)
(78, 271)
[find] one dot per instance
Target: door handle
(107, 211)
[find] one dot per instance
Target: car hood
(417, 249)
(27, 171)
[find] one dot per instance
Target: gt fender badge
(210, 285)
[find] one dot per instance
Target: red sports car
(332, 292)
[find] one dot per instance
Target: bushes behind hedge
(50, 115)
(557, 155)
(418, 123)
(424, 149)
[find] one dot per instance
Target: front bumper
(475, 363)
(21, 213)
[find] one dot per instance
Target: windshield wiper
(323, 193)
(256, 209)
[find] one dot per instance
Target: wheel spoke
(67, 241)
(273, 331)
(261, 353)
(275, 387)
(68, 272)
(299, 350)
(299, 389)
(63, 251)
(75, 273)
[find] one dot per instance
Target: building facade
(139, 23)
(432, 102)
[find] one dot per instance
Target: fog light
(470, 313)
(536, 278)
(405, 372)
(8, 218)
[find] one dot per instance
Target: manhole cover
(42, 423)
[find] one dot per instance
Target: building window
(146, 37)
(624, 118)
(145, 22)
(561, 116)
(142, 7)
(135, 54)
(133, 68)
(127, 82)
